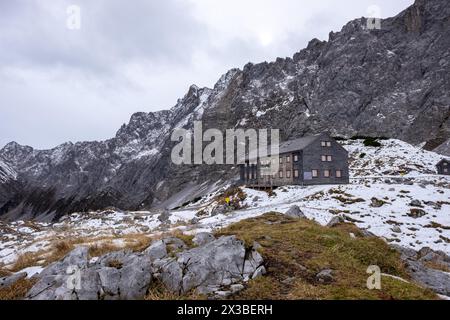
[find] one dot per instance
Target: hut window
(295, 158)
(280, 174)
(324, 158)
(288, 159)
(288, 174)
(296, 173)
(326, 173)
(329, 158)
(315, 173)
(338, 174)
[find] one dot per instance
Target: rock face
(390, 82)
(120, 275)
(416, 262)
(215, 267)
(207, 268)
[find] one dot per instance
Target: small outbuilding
(443, 167)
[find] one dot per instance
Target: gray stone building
(443, 167)
(311, 160)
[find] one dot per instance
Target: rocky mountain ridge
(389, 82)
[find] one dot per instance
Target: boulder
(335, 221)
(219, 209)
(114, 276)
(295, 212)
(416, 213)
(235, 288)
(194, 220)
(175, 243)
(420, 272)
(203, 238)
(157, 250)
(377, 203)
(164, 216)
(416, 203)
(325, 276)
(209, 267)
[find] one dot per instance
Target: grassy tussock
(159, 292)
(18, 290)
(297, 249)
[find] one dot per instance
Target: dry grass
(115, 264)
(58, 250)
(159, 292)
(102, 248)
(18, 290)
(26, 260)
(299, 249)
(4, 273)
(437, 266)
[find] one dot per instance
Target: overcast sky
(58, 84)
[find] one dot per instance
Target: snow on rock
(6, 172)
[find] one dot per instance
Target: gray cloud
(58, 84)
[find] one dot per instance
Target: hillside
(391, 82)
(394, 195)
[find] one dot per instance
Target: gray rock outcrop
(215, 266)
(437, 280)
(206, 269)
(295, 212)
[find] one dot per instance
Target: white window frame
(295, 158)
(329, 158)
(338, 173)
(324, 158)
(288, 174)
(280, 174)
(327, 173)
(315, 171)
(296, 173)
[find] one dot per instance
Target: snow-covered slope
(394, 158)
